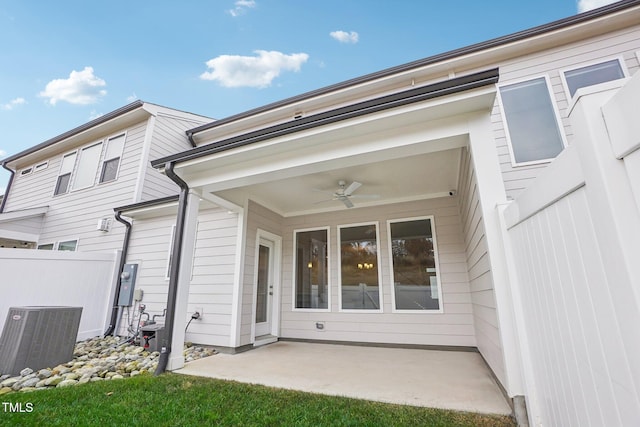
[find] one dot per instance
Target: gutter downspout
(175, 268)
(123, 258)
(191, 140)
(6, 192)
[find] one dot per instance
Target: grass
(179, 400)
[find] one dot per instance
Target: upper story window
(531, 121)
(80, 168)
(87, 165)
(111, 162)
(592, 75)
(64, 176)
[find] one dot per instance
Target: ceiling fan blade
(324, 201)
(351, 188)
(347, 202)
(317, 190)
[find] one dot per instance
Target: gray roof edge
(102, 119)
(434, 90)
(520, 35)
(147, 204)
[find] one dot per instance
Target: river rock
(67, 383)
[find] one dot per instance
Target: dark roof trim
(514, 37)
(147, 204)
(102, 119)
(448, 87)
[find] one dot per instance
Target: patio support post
(491, 194)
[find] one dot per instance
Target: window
(69, 245)
(311, 269)
(41, 166)
(531, 121)
(359, 278)
(64, 176)
(593, 75)
(87, 166)
(111, 161)
(46, 247)
(414, 265)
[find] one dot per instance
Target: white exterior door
(264, 288)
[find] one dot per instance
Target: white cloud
(344, 36)
(9, 105)
(2, 154)
(82, 87)
(584, 5)
(241, 7)
(252, 71)
(132, 97)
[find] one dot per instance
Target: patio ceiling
(408, 178)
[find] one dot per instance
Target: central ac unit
(38, 337)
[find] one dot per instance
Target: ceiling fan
(345, 193)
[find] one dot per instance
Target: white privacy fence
(573, 240)
(56, 278)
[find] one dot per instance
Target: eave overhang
(420, 94)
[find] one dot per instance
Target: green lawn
(178, 400)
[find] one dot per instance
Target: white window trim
(379, 267)
(65, 240)
(55, 184)
(74, 173)
(169, 253)
(556, 111)
(26, 171)
(293, 282)
(574, 67)
(104, 157)
(41, 166)
(53, 245)
(431, 218)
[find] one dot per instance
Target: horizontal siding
(485, 316)
(27, 225)
(75, 215)
(168, 138)
(211, 287)
(551, 62)
(453, 327)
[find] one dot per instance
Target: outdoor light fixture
(310, 265)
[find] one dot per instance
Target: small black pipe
(175, 268)
(6, 191)
(123, 258)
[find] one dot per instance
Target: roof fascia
(423, 93)
(99, 122)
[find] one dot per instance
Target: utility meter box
(152, 336)
(127, 284)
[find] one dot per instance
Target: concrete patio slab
(438, 379)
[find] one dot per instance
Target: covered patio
(456, 380)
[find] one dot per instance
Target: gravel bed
(96, 359)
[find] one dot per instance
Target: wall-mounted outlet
(201, 311)
(320, 326)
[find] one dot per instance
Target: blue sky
(64, 63)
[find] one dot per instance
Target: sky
(65, 63)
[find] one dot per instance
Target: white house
(410, 207)
(62, 192)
